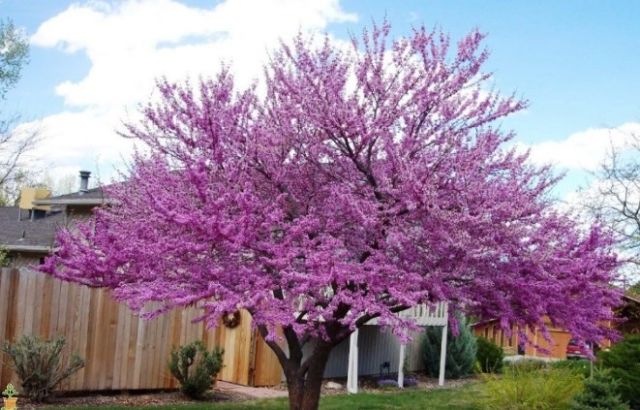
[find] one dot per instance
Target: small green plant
(461, 351)
(195, 368)
(490, 357)
(600, 393)
(528, 387)
(4, 258)
(38, 365)
(623, 361)
(10, 391)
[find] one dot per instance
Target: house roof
(632, 298)
(38, 234)
(93, 196)
(25, 234)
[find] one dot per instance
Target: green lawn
(458, 399)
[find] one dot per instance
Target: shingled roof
(93, 196)
(25, 234)
(38, 234)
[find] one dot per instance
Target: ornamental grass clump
(38, 364)
(195, 368)
(530, 387)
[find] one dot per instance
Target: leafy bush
(461, 351)
(38, 365)
(623, 360)
(195, 368)
(530, 387)
(490, 356)
(4, 258)
(599, 394)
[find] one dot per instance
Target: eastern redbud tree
(352, 183)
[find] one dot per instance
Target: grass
(461, 398)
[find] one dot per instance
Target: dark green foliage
(195, 368)
(38, 365)
(489, 356)
(600, 393)
(4, 254)
(461, 351)
(623, 361)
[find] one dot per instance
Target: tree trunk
(304, 380)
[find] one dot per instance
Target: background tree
(359, 182)
(60, 185)
(616, 199)
(14, 144)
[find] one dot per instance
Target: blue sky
(577, 63)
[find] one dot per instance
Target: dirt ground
(223, 391)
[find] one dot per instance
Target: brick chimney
(84, 181)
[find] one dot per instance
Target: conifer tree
(600, 393)
(461, 351)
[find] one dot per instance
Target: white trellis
(423, 315)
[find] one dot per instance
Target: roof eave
(27, 248)
(78, 201)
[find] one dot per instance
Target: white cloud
(584, 150)
(131, 43)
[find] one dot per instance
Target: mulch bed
(156, 397)
(118, 398)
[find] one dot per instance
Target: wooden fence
(121, 351)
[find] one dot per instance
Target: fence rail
(121, 351)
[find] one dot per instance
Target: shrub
(623, 360)
(38, 365)
(195, 368)
(461, 351)
(490, 357)
(525, 387)
(599, 394)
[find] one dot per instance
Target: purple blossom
(361, 182)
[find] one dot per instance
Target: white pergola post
(443, 349)
(352, 370)
(401, 366)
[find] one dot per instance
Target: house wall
(491, 331)
(557, 349)
(630, 313)
(375, 346)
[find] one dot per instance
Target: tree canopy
(14, 52)
(352, 183)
